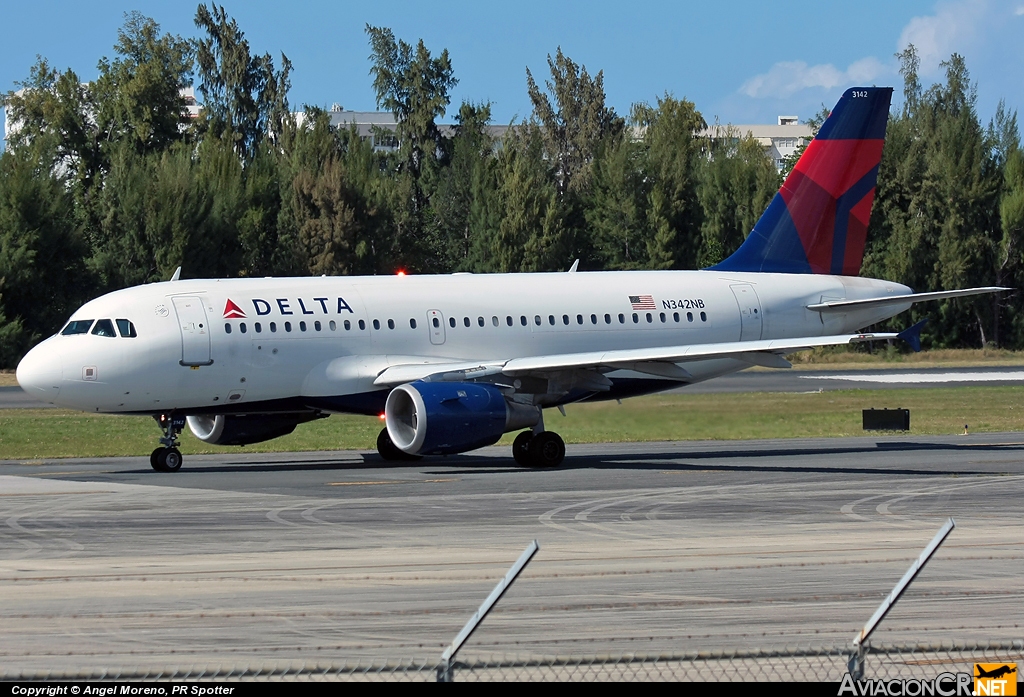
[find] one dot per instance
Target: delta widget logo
(233, 311)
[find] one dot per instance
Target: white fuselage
(321, 342)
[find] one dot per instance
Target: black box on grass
(886, 419)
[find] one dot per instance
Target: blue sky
(742, 62)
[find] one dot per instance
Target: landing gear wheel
(521, 449)
(389, 451)
(168, 460)
(547, 449)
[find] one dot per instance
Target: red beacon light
(401, 272)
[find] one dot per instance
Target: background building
(373, 124)
(779, 140)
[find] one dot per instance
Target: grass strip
(27, 434)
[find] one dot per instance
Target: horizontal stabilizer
(912, 335)
(846, 305)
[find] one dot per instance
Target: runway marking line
(394, 481)
(69, 474)
(65, 493)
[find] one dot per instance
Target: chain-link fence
(920, 661)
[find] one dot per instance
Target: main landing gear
(167, 458)
(389, 451)
(544, 449)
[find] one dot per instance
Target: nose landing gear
(167, 458)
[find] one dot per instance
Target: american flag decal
(642, 302)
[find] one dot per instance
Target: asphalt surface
(13, 397)
(656, 547)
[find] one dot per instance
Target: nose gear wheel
(167, 458)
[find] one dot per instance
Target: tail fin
(818, 221)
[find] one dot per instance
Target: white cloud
(952, 28)
(786, 78)
(985, 32)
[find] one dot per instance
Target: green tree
(415, 87)
(13, 339)
(464, 189)
(41, 250)
(573, 119)
(674, 152)
(1009, 250)
(137, 96)
(735, 185)
(936, 218)
(178, 207)
(531, 234)
(244, 97)
(52, 111)
(264, 250)
(616, 210)
(331, 208)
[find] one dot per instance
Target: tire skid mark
(649, 503)
(883, 508)
(902, 520)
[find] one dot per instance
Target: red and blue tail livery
(818, 222)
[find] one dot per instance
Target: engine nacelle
(441, 418)
(243, 429)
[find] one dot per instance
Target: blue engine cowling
(441, 418)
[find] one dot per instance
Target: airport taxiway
(798, 380)
(651, 547)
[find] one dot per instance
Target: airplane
(995, 672)
(453, 362)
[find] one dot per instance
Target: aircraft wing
(844, 305)
(758, 352)
(662, 360)
(463, 371)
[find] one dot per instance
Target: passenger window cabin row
(566, 320)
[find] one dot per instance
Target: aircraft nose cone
(40, 373)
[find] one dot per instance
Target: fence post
(856, 663)
(446, 668)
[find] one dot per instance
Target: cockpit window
(104, 327)
(77, 326)
(126, 328)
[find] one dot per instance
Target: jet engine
(441, 418)
(243, 429)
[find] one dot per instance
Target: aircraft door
(435, 324)
(750, 311)
(195, 331)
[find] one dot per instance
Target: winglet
(912, 335)
(177, 274)
(575, 265)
